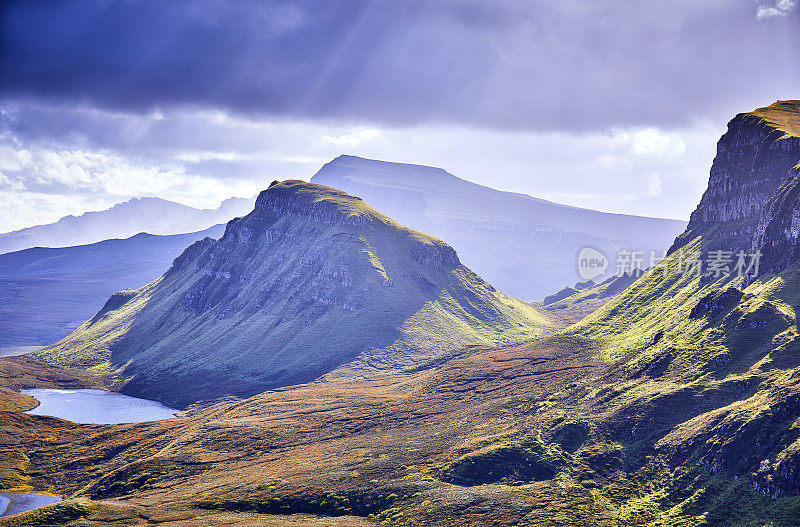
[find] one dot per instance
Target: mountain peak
(325, 206)
(312, 281)
(295, 196)
(350, 162)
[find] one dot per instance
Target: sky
(613, 105)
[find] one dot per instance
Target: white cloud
(351, 140)
(46, 184)
(202, 158)
(778, 9)
(198, 156)
(650, 141)
(654, 185)
(21, 209)
(12, 158)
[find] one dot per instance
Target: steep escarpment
(755, 157)
(312, 282)
(778, 231)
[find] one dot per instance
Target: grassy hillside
(675, 404)
(543, 434)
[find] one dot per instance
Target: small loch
(96, 406)
(16, 502)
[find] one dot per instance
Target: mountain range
(525, 246)
(312, 282)
(676, 403)
(150, 215)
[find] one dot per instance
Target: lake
(16, 502)
(13, 351)
(96, 406)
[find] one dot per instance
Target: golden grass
(783, 115)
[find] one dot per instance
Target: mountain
(45, 293)
(752, 179)
(675, 404)
(151, 215)
(312, 282)
(525, 246)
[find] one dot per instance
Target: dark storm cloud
(538, 65)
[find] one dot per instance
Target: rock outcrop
(778, 231)
(749, 197)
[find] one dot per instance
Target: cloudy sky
(609, 104)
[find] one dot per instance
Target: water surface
(13, 351)
(96, 406)
(16, 502)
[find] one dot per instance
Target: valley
(673, 401)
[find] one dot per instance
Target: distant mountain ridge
(151, 215)
(312, 282)
(525, 246)
(45, 293)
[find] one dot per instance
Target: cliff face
(778, 231)
(755, 158)
(313, 281)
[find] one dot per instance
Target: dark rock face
(754, 160)
(778, 231)
(716, 303)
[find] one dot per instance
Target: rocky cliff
(756, 158)
(778, 232)
(313, 281)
